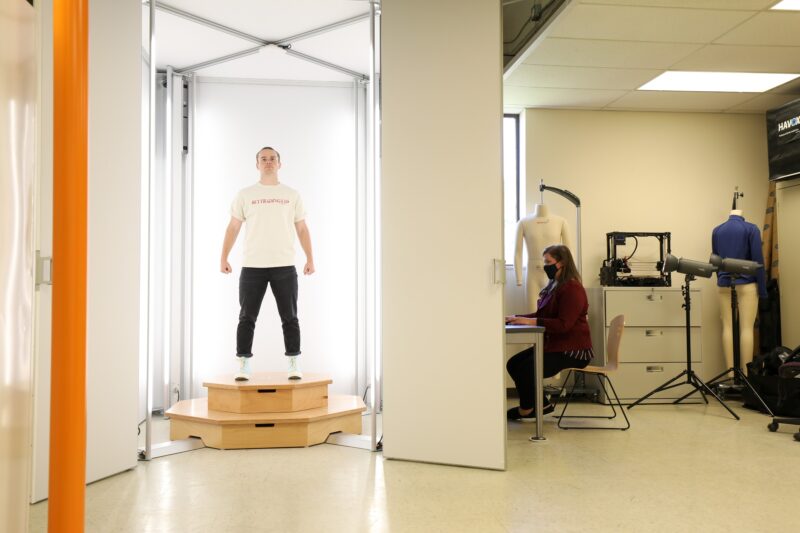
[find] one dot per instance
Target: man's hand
(309, 268)
(225, 267)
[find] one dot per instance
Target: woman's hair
(562, 255)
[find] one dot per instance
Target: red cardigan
(564, 319)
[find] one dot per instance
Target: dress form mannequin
(739, 239)
(537, 231)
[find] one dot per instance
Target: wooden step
(268, 392)
(219, 429)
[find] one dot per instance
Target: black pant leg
(521, 369)
(284, 288)
(252, 286)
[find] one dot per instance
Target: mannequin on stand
(537, 231)
(739, 239)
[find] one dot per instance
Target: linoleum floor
(678, 469)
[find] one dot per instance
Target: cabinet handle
(655, 368)
(653, 333)
(654, 297)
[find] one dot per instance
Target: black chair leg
(613, 399)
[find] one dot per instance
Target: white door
(18, 65)
(442, 218)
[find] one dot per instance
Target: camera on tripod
(692, 268)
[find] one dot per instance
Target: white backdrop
(313, 128)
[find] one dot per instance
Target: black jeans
(522, 371)
(253, 284)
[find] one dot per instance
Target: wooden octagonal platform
(268, 411)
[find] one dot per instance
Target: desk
(532, 336)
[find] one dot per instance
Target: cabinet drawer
(658, 345)
(634, 380)
(651, 307)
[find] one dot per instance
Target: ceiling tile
(631, 23)
(612, 54)
(536, 97)
(763, 102)
(733, 58)
(780, 28)
(580, 77)
(680, 101)
(696, 4)
(274, 64)
(793, 87)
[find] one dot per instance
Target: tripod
(691, 378)
(738, 377)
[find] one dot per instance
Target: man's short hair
(268, 148)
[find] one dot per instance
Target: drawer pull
(267, 391)
(655, 368)
(265, 425)
(655, 297)
(653, 333)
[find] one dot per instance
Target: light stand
(739, 379)
(692, 379)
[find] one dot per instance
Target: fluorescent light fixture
(787, 5)
(717, 82)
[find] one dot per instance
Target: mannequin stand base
(693, 381)
(739, 382)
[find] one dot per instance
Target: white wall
(442, 222)
(313, 128)
(639, 171)
(788, 206)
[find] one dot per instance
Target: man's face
(268, 161)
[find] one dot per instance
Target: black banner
(783, 141)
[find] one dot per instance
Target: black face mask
(551, 270)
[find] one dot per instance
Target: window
(512, 190)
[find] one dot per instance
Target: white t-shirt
(269, 213)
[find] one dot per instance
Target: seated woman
(561, 309)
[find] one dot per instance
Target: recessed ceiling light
(718, 82)
(788, 5)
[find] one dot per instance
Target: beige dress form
(536, 232)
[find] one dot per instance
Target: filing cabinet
(653, 347)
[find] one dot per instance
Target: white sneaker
(294, 371)
(244, 369)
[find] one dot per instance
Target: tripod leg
(750, 386)
(657, 389)
(699, 383)
(696, 389)
(718, 376)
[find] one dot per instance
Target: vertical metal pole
(358, 240)
(190, 239)
(167, 265)
(148, 447)
(374, 96)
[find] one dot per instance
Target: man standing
(273, 213)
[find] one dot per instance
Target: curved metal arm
(562, 192)
(571, 197)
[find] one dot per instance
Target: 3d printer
(624, 268)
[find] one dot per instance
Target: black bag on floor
(772, 375)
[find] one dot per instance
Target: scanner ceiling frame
(284, 44)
